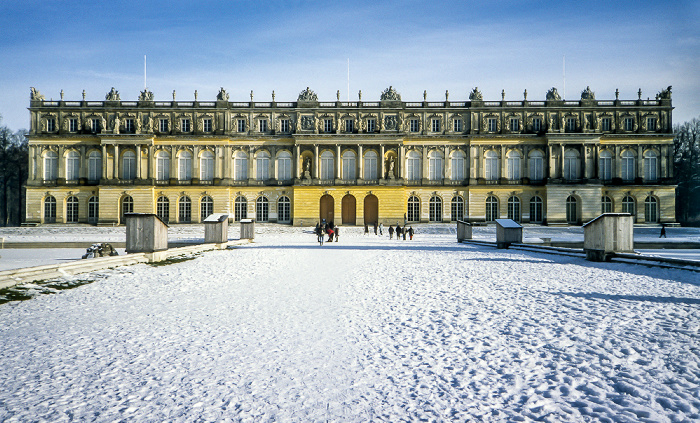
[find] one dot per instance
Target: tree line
(686, 155)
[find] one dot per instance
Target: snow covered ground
(366, 329)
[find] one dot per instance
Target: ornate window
(163, 208)
(349, 125)
(435, 125)
(327, 164)
(537, 124)
(605, 165)
(571, 165)
(284, 126)
(651, 124)
(283, 210)
(262, 125)
(327, 125)
(206, 125)
(413, 166)
(413, 209)
(184, 209)
(72, 209)
(284, 166)
(50, 166)
(514, 125)
(536, 207)
(571, 124)
(129, 165)
(185, 125)
(571, 210)
(127, 206)
(628, 205)
(492, 124)
(491, 165)
(51, 124)
(94, 126)
(206, 207)
(94, 166)
(49, 209)
(414, 125)
(650, 166)
(513, 165)
(185, 166)
(129, 126)
(240, 166)
(240, 208)
(72, 166)
(457, 125)
(457, 165)
(262, 164)
(206, 166)
(491, 208)
(514, 208)
(262, 209)
(370, 166)
(348, 165)
(628, 164)
(606, 204)
(163, 125)
(371, 125)
(241, 125)
(651, 210)
(457, 208)
(163, 166)
(435, 212)
(606, 124)
(73, 125)
(93, 209)
(536, 165)
(435, 166)
(628, 123)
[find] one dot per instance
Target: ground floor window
(72, 209)
(127, 206)
(206, 207)
(93, 209)
(628, 205)
(283, 210)
(457, 208)
(536, 215)
(571, 211)
(491, 208)
(514, 208)
(413, 212)
(240, 208)
(184, 210)
(435, 214)
(262, 209)
(606, 204)
(50, 209)
(163, 208)
(651, 210)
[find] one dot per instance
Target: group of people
(327, 228)
(401, 232)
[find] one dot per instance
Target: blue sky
(286, 46)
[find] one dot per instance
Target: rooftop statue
(587, 94)
(146, 96)
(112, 95)
(664, 94)
(222, 95)
(390, 94)
(476, 95)
(307, 95)
(35, 95)
(553, 94)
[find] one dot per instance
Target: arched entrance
(326, 208)
(349, 207)
(371, 209)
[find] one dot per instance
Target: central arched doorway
(349, 208)
(371, 209)
(326, 208)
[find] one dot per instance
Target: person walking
(391, 232)
(398, 232)
(410, 232)
(381, 227)
(375, 228)
(663, 231)
(403, 233)
(366, 229)
(336, 234)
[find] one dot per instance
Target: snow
(365, 329)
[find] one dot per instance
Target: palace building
(351, 162)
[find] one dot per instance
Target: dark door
(371, 209)
(326, 208)
(349, 204)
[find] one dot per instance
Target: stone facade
(549, 162)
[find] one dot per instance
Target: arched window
(628, 205)
(349, 165)
(491, 208)
(650, 166)
(240, 166)
(50, 166)
(206, 166)
(628, 173)
(72, 166)
(206, 207)
(514, 208)
(327, 164)
(536, 165)
(651, 210)
(284, 210)
(457, 208)
(571, 166)
(93, 209)
(163, 166)
(262, 209)
(49, 209)
(491, 165)
(605, 165)
(184, 208)
(435, 214)
(185, 166)
(370, 166)
(163, 208)
(571, 210)
(513, 162)
(457, 166)
(262, 165)
(94, 166)
(127, 206)
(240, 208)
(413, 166)
(284, 166)
(129, 165)
(435, 166)
(606, 204)
(413, 212)
(72, 209)
(536, 215)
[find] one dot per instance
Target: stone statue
(663, 95)
(146, 96)
(447, 95)
(195, 95)
(359, 95)
(425, 95)
(587, 94)
(115, 127)
(307, 168)
(222, 95)
(61, 95)
(83, 95)
(307, 95)
(174, 95)
(503, 95)
(112, 95)
(525, 94)
(391, 168)
(273, 95)
(553, 95)
(475, 95)
(251, 96)
(35, 95)
(390, 94)
(337, 95)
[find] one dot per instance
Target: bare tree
(687, 170)
(14, 156)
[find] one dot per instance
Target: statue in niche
(476, 95)
(146, 96)
(35, 95)
(115, 127)
(222, 95)
(553, 95)
(307, 168)
(390, 173)
(112, 95)
(587, 94)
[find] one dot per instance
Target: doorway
(371, 209)
(326, 208)
(349, 207)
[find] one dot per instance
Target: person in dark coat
(410, 232)
(381, 228)
(366, 229)
(398, 232)
(391, 232)
(336, 234)
(403, 233)
(375, 228)
(663, 231)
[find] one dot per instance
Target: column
(316, 161)
(149, 163)
(425, 166)
(251, 160)
(617, 163)
(586, 171)
(138, 161)
(561, 162)
(195, 162)
(115, 167)
(173, 162)
(83, 172)
(104, 161)
(446, 163)
(640, 161)
(297, 166)
(504, 163)
(400, 169)
(337, 163)
(382, 170)
(360, 163)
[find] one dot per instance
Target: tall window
(606, 204)
(284, 125)
(49, 209)
(327, 125)
(651, 124)
(457, 165)
(370, 167)
(262, 209)
(536, 124)
(413, 166)
(651, 210)
(513, 162)
(492, 125)
(72, 166)
(415, 127)
(50, 166)
(240, 166)
(129, 165)
(457, 208)
(436, 125)
(571, 210)
(94, 166)
(163, 166)
(262, 164)
(284, 166)
(240, 208)
(184, 208)
(514, 125)
(371, 125)
(457, 124)
(606, 124)
(629, 124)
(163, 208)
(206, 166)
(283, 210)
(349, 165)
(435, 166)
(327, 164)
(536, 165)
(72, 209)
(605, 165)
(571, 170)
(514, 208)
(349, 125)
(570, 124)
(491, 208)
(536, 215)
(628, 205)
(413, 212)
(73, 125)
(206, 207)
(491, 165)
(206, 125)
(650, 166)
(628, 173)
(163, 125)
(241, 125)
(50, 125)
(127, 206)
(94, 126)
(185, 166)
(262, 123)
(93, 209)
(435, 212)
(129, 126)
(185, 123)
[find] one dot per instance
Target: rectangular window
(95, 126)
(629, 124)
(570, 124)
(263, 125)
(536, 124)
(493, 125)
(163, 125)
(73, 125)
(436, 125)
(349, 126)
(50, 125)
(241, 125)
(207, 125)
(606, 124)
(457, 123)
(129, 126)
(371, 125)
(327, 125)
(284, 125)
(514, 125)
(651, 124)
(185, 125)
(415, 127)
